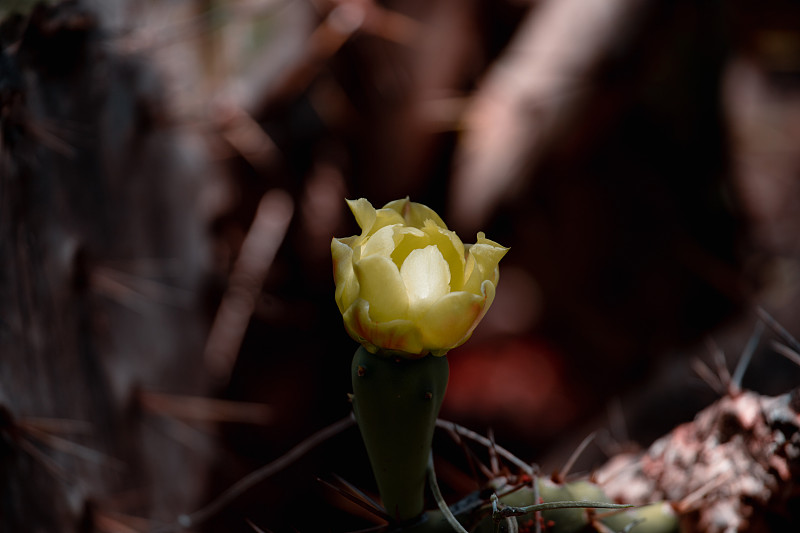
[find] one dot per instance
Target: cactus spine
(396, 402)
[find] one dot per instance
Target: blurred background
(172, 173)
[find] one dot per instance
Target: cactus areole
(396, 402)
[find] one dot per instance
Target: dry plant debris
(735, 467)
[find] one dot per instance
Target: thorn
(258, 250)
(69, 447)
(358, 498)
(255, 527)
(787, 352)
(112, 522)
(450, 426)
(718, 356)
(577, 453)
(472, 460)
(537, 516)
(136, 292)
(357, 491)
(691, 500)
(43, 459)
(58, 425)
(493, 462)
(708, 376)
(777, 328)
(201, 409)
(747, 355)
(253, 478)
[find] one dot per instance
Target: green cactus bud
(586, 491)
(562, 520)
(396, 402)
(654, 518)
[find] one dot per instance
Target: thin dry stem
(437, 494)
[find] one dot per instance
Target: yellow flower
(409, 284)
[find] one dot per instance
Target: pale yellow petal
(452, 249)
(381, 285)
(400, 335)
(410, 239)
(364, 214)
(426, 276)
(344, 277)
(386, 217)
(381, 243)
(415, 214)
(488, 290)
(450, 246)
(482, 260)
(450, 320)
(483, 240)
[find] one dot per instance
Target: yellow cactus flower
(407, 283)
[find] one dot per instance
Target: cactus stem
(396, 402)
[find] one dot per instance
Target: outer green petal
(415, 214)
(450, 320)
(382, 286)
(344, 276)
(399, 335)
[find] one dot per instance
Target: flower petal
(488, 290)
(415, 214)
(343, 274)
(482, 260)
(399, 335)
(386, 217)
(426, 276)
(381, 243)
(452, 250)
(382, 286)
(450, 246)
(407, 284)
(364, 214)
(450, 320)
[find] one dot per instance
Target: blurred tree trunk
(103, 255)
